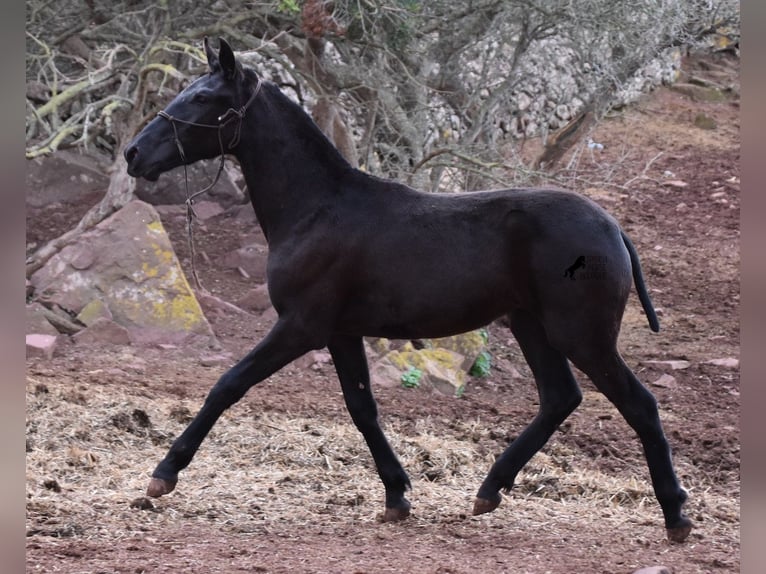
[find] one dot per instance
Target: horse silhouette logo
(578, 264)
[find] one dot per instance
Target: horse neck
(290, 167)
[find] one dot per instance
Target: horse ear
(229, 63)
(212, 58)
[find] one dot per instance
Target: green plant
(289, 6)
(411, 378)
(482, 365)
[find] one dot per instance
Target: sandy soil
(285, 484)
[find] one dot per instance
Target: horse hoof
(679, 533)
(395, 514)
(483, 505)
(158, 486)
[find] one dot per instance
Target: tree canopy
(432, 93)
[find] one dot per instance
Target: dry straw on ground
(90, 452)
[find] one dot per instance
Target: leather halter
(223, 120)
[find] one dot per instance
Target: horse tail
(638, 279)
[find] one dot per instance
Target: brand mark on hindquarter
(587, 267)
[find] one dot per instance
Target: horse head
(202, 121)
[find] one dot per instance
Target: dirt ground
(285, 484)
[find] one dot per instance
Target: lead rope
(190, 213)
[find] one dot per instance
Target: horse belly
(428, 301)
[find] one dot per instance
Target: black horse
(352, 255)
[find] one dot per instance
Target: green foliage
(411, 378)
(289, 7)
(483, 363)
(482, 366)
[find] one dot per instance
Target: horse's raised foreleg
(559, 396)
(281, 346)
(638, 406)
(351, 366)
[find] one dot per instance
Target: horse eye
(200, 98)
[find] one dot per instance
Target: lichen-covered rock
(94, 311)
(443, 364)
(440, 369)
(470, 345)
(128, 264)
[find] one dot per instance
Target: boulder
(125, 270)
(41, 345)
(171, 187)
(103, 331)
(37, 321)
(470, 345)
(442, 364)
(205, 210)
(94, 311)
(251, 258)
(256, 300)
(439, 369)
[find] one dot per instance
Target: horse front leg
(351, 366)
(282, 345)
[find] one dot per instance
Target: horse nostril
(131, 152)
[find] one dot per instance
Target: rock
(61, 320)
(213, 305)
(705, 122)
(444, 362)
(69, 177)
(443, 375)
(313, 360)
(665, 381)
(205, 210)
(671, 364)
(94, 311)
(142, 503)
(103, 331)
(653, 570)
(675, 183)
(252, 258)
(728, 362)
(37, 321)
(441, 369)
(470, 345)
(384, 374)
(128, 263)
(170, 188)
(243, 212)
(256, 299)
(39, 345)
(217, 360)
(699, 93)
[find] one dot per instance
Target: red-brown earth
(285, 484)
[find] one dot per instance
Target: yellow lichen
(175, 305)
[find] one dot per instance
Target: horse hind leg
(638, 407)
(559, 396)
